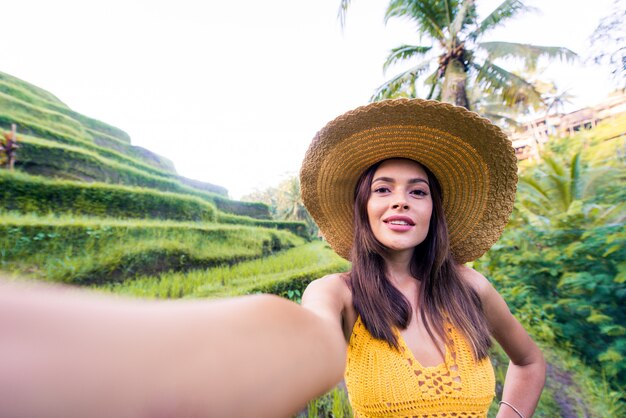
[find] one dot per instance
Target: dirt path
(559, 381)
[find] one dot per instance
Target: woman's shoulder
(331, 290)
(330, 296)
(334, 284)
(476, 280)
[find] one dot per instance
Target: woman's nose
(400, 205)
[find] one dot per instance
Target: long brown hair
(443, 294)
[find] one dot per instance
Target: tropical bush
(560, 263)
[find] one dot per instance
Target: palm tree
(456, 60)
(290, 206)
(557, 185)
(289, 202)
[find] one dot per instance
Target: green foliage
(50, 122)
(25, 193)
(40, 156)
(286, 204)
(94, 149)
(560, 262)
(29, 92)
(105, 137)
(277, 273)
(574, 270)
(91, 250)
(94, 125)
(48, 158)
(24, 113)
(298, 228)
(256, 210)
(41, 100)
(333, 404)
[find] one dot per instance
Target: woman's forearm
(522, 388)
(65, 353)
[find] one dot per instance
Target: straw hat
(473, 160)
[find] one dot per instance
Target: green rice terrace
(85, 207)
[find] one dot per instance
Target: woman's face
(400, 204)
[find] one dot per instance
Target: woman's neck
(398, 267)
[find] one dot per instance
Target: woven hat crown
(472, 159)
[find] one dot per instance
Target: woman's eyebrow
(418, 180)
(391, 180)
(385, 179)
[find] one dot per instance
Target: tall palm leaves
(456, 61)
(555, 187)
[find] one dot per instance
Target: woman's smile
(399, 223)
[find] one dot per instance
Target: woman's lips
(399, 223)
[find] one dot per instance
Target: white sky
(233, 91)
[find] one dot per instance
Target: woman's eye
(420, 193)
(382, 190)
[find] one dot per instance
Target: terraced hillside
(58, 142)
(86, 207)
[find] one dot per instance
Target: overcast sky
(233, 91)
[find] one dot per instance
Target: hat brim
(472, 159)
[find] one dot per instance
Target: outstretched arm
(70, 353)
(526, 374)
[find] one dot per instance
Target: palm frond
(402, 85)
(461, 17)
(509, 87)
(448, 12)
(500, 119)
(541, 192)
(613, 215)
(497, 112)
(506, 10)
(558, 169)
(493, 108)
(433, 81)
(428, 14)
(404, 52)
(560, 182)
(530, 54)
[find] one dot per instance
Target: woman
(424, 186)
(409, 190)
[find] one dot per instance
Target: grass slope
(278, 273)
(41, 115)
(86, 250)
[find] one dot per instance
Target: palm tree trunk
(454, 83)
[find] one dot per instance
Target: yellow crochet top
(385, 382)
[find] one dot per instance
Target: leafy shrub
(569, 255)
